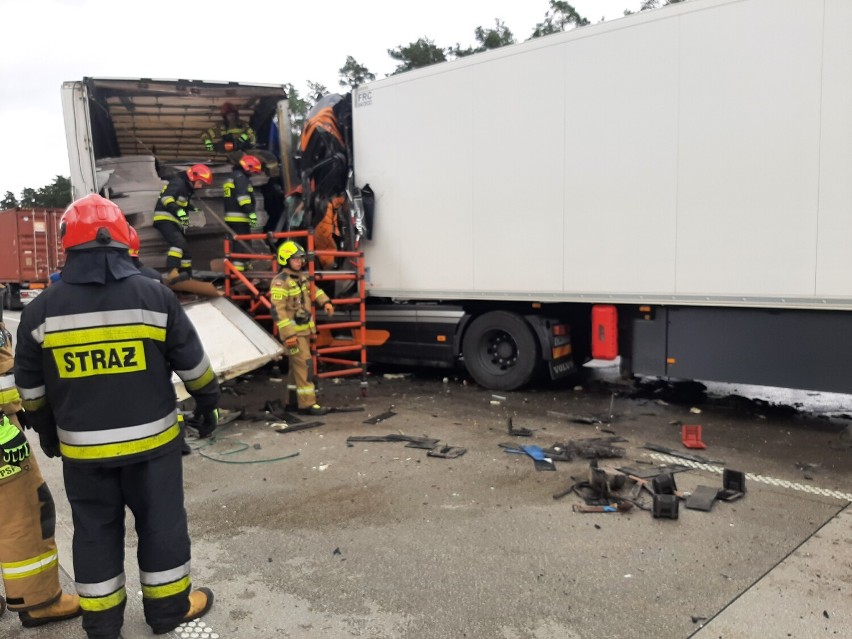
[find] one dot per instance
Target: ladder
(339, 348)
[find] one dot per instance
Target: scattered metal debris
(518, 432)
(380, 418)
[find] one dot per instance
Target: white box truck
(687, 169)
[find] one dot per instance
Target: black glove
(23, 420)
(50, 444)
(206, 421)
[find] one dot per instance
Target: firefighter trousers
(153, 490)
(300, 385)
(178, 252)
(28, 556)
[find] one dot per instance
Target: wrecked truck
(127, 137)
(669, 190)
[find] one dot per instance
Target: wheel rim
(499, 350)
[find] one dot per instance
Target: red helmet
(94, 222)
(134, 243)
(251, 164)
(228, 107)
(200, 173)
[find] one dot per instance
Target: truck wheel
(500, 351)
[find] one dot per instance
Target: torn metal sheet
(379, 418)
(233, 341)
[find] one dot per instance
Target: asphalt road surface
(380, 540)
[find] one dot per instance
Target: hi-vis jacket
(290, 293)
(106, 375)
(175, 195)
(239, 197)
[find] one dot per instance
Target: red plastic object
(690, 436)
(604, 331)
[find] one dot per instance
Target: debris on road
(690, 436)
(379, 418)
(518, 432)
(447, 452)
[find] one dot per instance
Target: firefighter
(240, 204)
(133, 251)
(171, 218)
(291, 310)
(232, 136)
(29, 560)
(147, 271)
(95, 354)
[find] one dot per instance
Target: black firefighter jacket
(95, 355)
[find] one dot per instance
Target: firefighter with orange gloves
(290, 293)
(240, 203)
(171, 218)
(232, 135)
(29, 560)
(101, 330)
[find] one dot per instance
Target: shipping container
(33, 252)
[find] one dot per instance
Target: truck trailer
(672, 187)
(669, 190)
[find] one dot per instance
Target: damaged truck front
(127, 137)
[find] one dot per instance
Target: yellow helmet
(289, 250)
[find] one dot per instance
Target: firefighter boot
(66, 607)
(200, 602)
(315, 410)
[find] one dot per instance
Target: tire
(501, 351)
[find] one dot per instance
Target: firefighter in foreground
(290, 292)
(240, 203)
(171, 218)
(95, 355)
(28, 557)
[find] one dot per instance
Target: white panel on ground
(234, 342)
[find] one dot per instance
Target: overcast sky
(46, 42)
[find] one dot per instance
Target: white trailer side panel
(834, 255)
(749, 122)
(699, 153)
(620, 179)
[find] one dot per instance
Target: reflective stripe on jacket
(174, 196)
(239, 197)
(290, 293)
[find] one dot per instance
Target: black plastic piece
(702, 498)
(733, 485)
(664, 484)
(665, 507)
(447, 452)
(379, 418)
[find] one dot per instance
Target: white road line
(760, 479)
